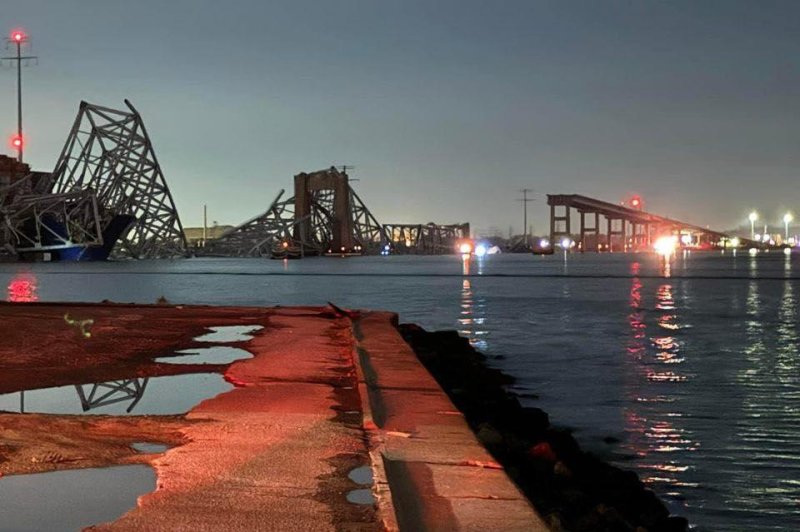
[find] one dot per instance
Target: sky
(446, 108)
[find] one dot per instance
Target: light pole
(753, 217)
(787, 218)
(18, 38)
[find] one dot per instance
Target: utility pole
(205, 224)
(525, 200)
(18, 38)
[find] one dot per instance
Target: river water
(686, 372)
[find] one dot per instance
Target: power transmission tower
(525, 200)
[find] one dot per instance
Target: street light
(753, 217)
(787, 218)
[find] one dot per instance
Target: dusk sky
(447, 108)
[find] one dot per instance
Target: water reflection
(22, 288)
(112, 392)
(174, 394)
(97, 395)
(472, 317)
(656, 434)
(72, 499)
(767, 424)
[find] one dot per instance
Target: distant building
(194, 235)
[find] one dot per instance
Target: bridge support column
(559, 225)
(621, 234)
(595, 230)
(583, 231)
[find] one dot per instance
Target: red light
(18, 36)
(16, 142)
(22, 288)
(635, 202)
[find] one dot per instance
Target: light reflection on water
(22, 288)
(472, 321)
(655, 433)
(696, 373)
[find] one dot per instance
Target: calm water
(71, 499)
(693, 370)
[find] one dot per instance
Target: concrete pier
(325, 392)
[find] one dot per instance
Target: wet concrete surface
(276, 450)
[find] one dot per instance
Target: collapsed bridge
(106, 196)
(326, 216)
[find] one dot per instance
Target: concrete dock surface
(325, 392)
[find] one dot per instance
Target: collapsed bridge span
(326, 216)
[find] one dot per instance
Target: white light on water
(666, 245)
(480, 250)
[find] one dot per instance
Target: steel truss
(369, 233)
(334, 219)
(108, 151)
(313, 233)
(426, 239)
(259, 235)
(47, 222)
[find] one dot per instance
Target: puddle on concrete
(71, 500)
(149, 448)
(218, 354)
(229, 333)
(174, 394)
(361, 475)
(361, 496)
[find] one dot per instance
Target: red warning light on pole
(18, 35)
(16, 142)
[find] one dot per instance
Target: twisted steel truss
(259, 235)
(109, 152)
(317, 230)
(426, 239)
(33, 221)
(370, 234)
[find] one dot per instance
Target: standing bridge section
(626, 229)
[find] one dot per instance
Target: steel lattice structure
(39, 222)
(371, 235)
(109, 152)
(330, 216)
(257, 236)
(426, 239)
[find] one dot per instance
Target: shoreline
(572, 489)
(325, 392)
